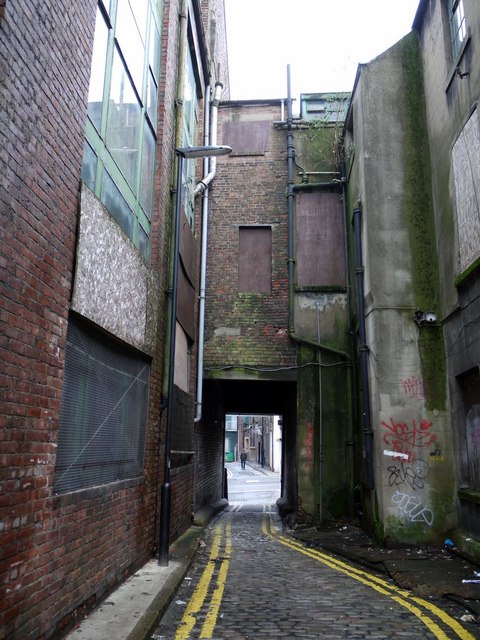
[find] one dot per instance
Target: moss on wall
(420, 222)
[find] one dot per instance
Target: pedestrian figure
(243, 458)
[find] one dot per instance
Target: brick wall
(248, 328)
(43, 49)
(60, 554)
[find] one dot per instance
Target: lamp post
(184, 153)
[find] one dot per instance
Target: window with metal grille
(104, 411)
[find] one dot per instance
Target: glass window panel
(139, 9)
(130, 43)
(115, 203)
(190, 103)
(152, 100)
(148, 168)
(97, 77)
(154, 49)
(89, 166)
(143, 242)
(124, 119)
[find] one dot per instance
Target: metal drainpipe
(363, 348)
(202, 187)
(290, 203)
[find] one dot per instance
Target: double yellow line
(214, 574)
(416, 606)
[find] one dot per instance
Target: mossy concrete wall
(413, 498)
(454, 133)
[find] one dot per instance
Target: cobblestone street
(250, 581)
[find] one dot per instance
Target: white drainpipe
(210, 165)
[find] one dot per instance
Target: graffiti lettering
(412, 476)
(413, 387)
(403, 437)
(412, 509)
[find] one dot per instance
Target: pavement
(428, 572)
(132, 611)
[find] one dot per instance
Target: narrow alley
(251, 580)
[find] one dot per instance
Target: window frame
(458, 27)
(139, 195)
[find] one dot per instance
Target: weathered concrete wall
(413, 456)
(454, 138)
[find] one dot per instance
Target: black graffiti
(409, 475)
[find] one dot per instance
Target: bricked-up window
(103, 413)
(119, 153)
(255, 259)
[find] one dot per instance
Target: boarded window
(465, 161)
(103, 413)
(320, 239)
(255, 259)
(247, 138)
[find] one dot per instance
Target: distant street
(251, 485)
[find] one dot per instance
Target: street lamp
(182, 153)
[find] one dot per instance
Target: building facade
(96, 96)
(410, 146)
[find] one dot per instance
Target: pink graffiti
(308, 447)
(413, 387)
(403, 438)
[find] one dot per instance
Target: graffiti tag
(413, 387)
(403, 438)
(412, 509)
(410, 475)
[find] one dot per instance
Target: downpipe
(363, 348)
(210, 166)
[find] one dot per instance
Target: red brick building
(95, 98)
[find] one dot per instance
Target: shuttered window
(103, 413)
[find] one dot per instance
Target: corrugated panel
(320, 239)
(255, 259)
(104, 411)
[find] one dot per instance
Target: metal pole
(164, 540)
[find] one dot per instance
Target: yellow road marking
(217, 595)
(382, 586)
(200, 592)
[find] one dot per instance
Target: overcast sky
(323, 42)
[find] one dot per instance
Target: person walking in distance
(243, 458)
